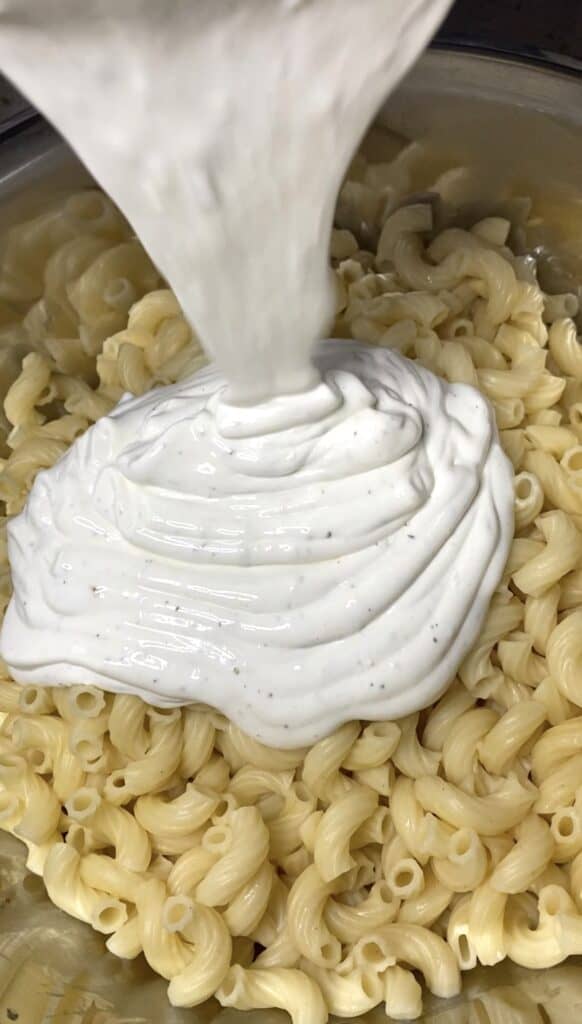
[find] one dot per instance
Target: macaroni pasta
(316, 880)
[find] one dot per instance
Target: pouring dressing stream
(298, 537)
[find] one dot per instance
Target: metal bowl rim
(531, 56)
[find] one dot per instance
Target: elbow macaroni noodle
(316, 881)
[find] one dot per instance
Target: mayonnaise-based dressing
(332, 566)
(297, 541)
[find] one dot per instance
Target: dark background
(554, 25)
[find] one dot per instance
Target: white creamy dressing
(295, 541)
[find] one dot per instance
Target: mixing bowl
(518, 119)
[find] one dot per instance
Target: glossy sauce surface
(324, 567)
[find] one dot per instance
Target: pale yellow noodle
(62, 878)
(307, 927)
(564, 651)
(331, 851)
(461, 745)
(179, 817)
(528, 859)
(410, 757)
(248, 850)
(151, 773)
(199, 733)
(245, 912)
(555, 747)
(115, 825)
(288, 989)
(127, 729)
(486, 930)
(488, 815)
(466, 865)
(324, 759)
(504, 740)
(349, 994)
(210, 947)
(402, 994)
(559, 789)
(426, 907)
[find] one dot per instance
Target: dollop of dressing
(293, 570)
(295, 538)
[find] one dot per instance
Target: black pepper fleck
(236, 671)
(11, 1014)
(328, 534)
(435, 640)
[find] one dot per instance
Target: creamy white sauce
(297, 542)
(294, 567)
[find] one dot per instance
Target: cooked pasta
(316, 880)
